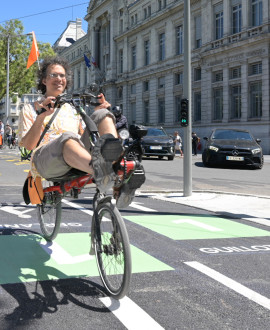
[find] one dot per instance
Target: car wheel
(160, 157)
(260, 165)
(170, 157)
(205, 163)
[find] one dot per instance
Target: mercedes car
(232, 147)
(158, 143)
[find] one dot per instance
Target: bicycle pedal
(137, 179)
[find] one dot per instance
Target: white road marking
(61, 256)
(197, 224)
(237, 287)
(141, 208)
(79, 207)
(16, 210)
(131, 315)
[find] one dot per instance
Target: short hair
(42, 73)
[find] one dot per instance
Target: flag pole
(37, 53)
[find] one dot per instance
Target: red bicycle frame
(79, 182)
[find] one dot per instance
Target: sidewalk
(251, 208)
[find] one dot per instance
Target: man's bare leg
(76, 156)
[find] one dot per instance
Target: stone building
(138, 51)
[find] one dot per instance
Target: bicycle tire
(49, 214)
(114, 257)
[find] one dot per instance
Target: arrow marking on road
(61, 256)
(197, 224)
(16, 211)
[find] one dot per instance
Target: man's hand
(46, 107)
(103, 103)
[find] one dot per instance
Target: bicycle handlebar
(87, 98)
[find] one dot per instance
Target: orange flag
(34, 54)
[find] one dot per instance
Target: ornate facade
(138, 50)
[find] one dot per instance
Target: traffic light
(184, 113)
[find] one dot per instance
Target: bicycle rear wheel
(49, 214)
(112, 250)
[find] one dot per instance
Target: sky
(48, 19)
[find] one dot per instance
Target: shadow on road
(34, 297)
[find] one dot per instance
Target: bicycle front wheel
(49, 214)
(112, 250)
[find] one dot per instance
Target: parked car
(232, 147)
(158, 143)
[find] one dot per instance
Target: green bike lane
(164, 238)
(28, 257)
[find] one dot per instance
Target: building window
(235, 94)
(218, 104)
(178, 78)
(121, 61)
(256, 12)
(197, 74)
(133, 89)
(197, 106)
(120, 92)
(255, 92)
(79, 78)
(217, 76)
(146, 52)
(162, 4)
(198, 31)
(235, 72)
(161, 110)
(134, 19)
(162, 46)
(121, 26)
(133, 57)
(146, 111)
(133, 112)
(146, 86)
(85, 76)
(218, 10)
(179, 40)
(177, 105)
(147, 12)
(161, 82)
(236, 18)
(255, 68)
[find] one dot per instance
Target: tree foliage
(21, 80)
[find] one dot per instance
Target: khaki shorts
(49, 160)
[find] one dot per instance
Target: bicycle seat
(72, 174)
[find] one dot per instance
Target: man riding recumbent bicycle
(68, 159)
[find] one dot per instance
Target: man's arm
(31, 138)
(121, 123)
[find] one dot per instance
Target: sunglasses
(56, 75)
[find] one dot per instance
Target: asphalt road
(192, 269)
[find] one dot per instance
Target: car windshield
(231, 135)
(155, 132)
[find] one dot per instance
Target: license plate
(240, 159)
(155, 147)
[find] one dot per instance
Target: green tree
(21, 80)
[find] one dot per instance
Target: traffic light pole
(187, 95)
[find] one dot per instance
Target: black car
(232, 147)
(158, 143)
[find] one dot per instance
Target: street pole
(7, 90)
(187, 94)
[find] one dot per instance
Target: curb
(170, 191)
